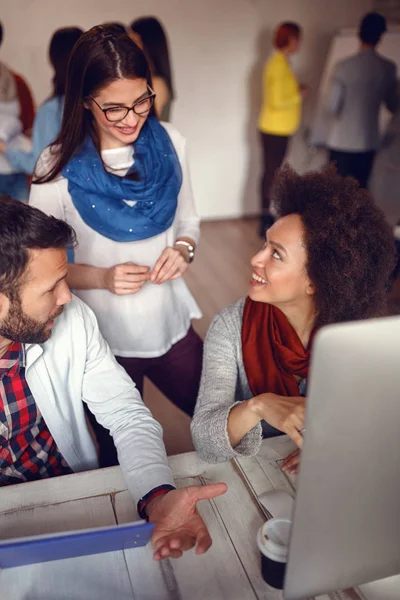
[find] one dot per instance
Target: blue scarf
(99, 196)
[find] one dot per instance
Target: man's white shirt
(76, 365)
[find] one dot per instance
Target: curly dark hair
(350, 247)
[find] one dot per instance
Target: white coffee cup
(273, 542)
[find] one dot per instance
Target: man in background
(359, 86)
(52, 360)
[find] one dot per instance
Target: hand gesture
(126, 278)
(178, 525)
(286, 413)
(172, 264)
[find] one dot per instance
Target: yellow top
(281, 110)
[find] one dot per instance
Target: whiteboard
(344, 45)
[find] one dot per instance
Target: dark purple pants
(176, 374)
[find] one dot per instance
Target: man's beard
(19, 327)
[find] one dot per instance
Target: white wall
(218, 48)
(389, 8)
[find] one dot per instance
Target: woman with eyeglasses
(120, 178)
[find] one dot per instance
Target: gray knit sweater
(223, 385)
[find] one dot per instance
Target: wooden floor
(219, 276)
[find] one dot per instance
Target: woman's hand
(292, 463)
(3, 147)
(286, 413)
(172, 264)
(126, 278)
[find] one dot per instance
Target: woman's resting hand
(172, 264)
(286, 413)
(126, 278)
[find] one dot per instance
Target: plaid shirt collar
(13, 360)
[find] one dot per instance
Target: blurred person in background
(12, 181)
(25, 98)
(385, 186)
(360, 85)
(280, 113)
(148, 34)
(385, 178)
(47, 124)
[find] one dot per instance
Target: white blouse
(148, 323)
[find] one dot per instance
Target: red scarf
(272, 351)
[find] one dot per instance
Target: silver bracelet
(190, 247)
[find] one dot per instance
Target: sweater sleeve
(217, 397)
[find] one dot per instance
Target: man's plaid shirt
(27, 448)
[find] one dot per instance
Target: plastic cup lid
(273, 539)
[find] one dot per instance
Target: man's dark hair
(349, 245)
(372, 27)
(24, 228)
(1, 33)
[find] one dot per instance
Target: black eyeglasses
(119, 113)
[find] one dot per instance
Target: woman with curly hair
(328, 259)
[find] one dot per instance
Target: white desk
(230, 570)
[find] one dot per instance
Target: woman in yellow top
(280, 113)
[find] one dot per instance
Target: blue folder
(69, 544)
